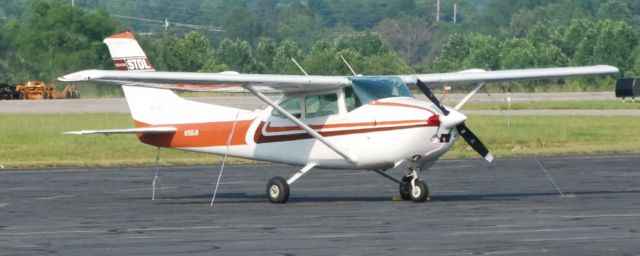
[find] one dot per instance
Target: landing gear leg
(278, 188)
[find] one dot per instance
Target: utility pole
(455, 13)
(437, 10)
(73, 3)
(165, 25)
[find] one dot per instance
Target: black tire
(405, 189)
(420, 193)
(278, 190)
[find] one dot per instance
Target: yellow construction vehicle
(39, 90)
(31, 90)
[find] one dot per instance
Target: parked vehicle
(39, 90)
(8, 92)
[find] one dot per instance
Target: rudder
(126, 53)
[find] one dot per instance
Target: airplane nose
(453, 119)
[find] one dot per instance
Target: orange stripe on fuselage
(270, 128)
(259, 137)
(199, 134)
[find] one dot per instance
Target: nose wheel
(414, 189)
(419, 192)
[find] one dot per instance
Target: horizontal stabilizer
(146, 130)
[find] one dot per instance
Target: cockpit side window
(321, 105)
(351, 100)
(292, 106)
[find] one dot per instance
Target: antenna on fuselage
(349, 66)
(300, 67)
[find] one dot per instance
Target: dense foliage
(42, 39)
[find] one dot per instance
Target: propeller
(474, 142)
(452, 119)
(427, 92)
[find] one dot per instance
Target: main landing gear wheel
(278, 190)
(419, 192)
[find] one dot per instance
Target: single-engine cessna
(334, 122)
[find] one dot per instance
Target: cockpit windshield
(368, 89)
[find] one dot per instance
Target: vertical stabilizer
(151, 106)
(127, 54)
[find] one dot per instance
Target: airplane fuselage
(378, 135)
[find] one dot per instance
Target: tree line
(42, 39)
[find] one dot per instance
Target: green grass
(614, 104)
(553, 135)
(34, 140)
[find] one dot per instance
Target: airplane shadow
(235, 198)
(228, 198)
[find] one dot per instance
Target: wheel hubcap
(416, 191)
(274, 191)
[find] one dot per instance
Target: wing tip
(75, 133)
(84, 75)
(489, 157)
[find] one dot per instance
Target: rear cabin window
(321, 105)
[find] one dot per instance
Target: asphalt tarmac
(507, 208)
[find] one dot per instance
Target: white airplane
(334, 122)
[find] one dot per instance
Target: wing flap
(146, 130)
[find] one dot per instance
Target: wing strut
(479, 86)
(300, 124)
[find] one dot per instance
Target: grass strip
(557, 105)
(553, 135)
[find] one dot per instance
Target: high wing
(226, 82)
(220, 82)
(478, 75)
(146, 130)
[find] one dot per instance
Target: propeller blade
(427, 92)
(474, 142)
